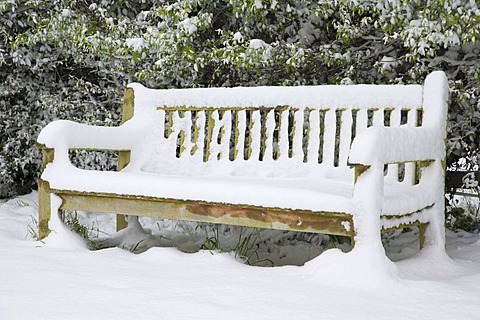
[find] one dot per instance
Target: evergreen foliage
(71, 59)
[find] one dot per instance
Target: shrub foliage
(71, 59)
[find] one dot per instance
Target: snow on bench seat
(285, 193)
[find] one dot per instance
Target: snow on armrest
(392, 145)
(68, 134)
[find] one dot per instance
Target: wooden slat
(198, 138)
(241, 132)
(313, 136)
(297, 146)
(283, 141)
(243, 215)
(410, 168)
(227, 136)
(210, 124)
(194, 108)
(378, 119)
(361, 122)
(395, 122)
(255, 135)
(345, 137)
(181, 131)
(188, 124)
(269, 131)
(216, 132)
(329, 138)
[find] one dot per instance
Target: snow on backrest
(268, 131)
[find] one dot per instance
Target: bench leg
(43, 209)
(121, 222)
(124, 156)
(421, 234)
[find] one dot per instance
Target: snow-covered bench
(351, 160)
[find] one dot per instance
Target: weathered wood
(124, 155)
(209, 134)
(123, 159)
(44, 194)
(48, 156)
(193, 108)
(359, 170)
(243, 215)
(128, 105)
(121, 222)
(411, 169)
(127, 114)
(415, 223)
(419, 166)
(422, 228)
(408, 215)
(43, 208)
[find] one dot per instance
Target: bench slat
(255, 135)
(283, 135)
(335, 223)
(378, 118)
(313, 136)
(395, 122)
(220, 144)
(329, 137)
(241, 123)
(198, 147)
(345, 136)
(297, 136)
(268, 135)
(410, 168)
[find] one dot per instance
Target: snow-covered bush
(41, 81)
(71, 59)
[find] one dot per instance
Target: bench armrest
(66, 134)
(386, 145)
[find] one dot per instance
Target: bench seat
(325, 195)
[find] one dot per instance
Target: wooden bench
(350, 160)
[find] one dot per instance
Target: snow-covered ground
(62, 279)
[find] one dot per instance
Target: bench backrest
(268, 131)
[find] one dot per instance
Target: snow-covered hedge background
(72, 59)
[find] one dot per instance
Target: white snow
(396, 145)
(66, 12)
(63, 280)
(257, 44)
(136, 43)
(238, 37)
(388, 63)
(189, 25)
(323, 97)
(302, 193)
